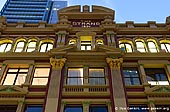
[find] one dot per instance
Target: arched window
(20, 46)
(152, 46)
(126, 47)
(165, 47)
(140, 46)
(4, 47)
(46, 46)
(31, 46)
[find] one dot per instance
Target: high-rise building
(85, 63)
(31, 11)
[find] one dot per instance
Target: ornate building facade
(85, 63)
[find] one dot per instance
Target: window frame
(155, 45)
(98, 106)
(16, 75)
(165, 45)
(47, 45)
(40, 77)
(139, 48)
(81, 77)
(125, 47)
(98, 78)
(7, 44)
(31, 47)
(156, 80)
(20, 47)
(131, 76)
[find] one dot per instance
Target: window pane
(39, 81)
(12, 70)
(156, 76)
(19, 47)
(34, 109)
(98, 109)
(97, 81)
(75, 76)
(20, 79)
(41, 72)
(73, 109)
(8, 48)
(152, 47)
(128, 48)
(31, 46)
(9, 80)
(140, 46)
(43, 47)
(50, 46)
(96, 72)
(131, 76)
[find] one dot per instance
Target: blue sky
(130, 10)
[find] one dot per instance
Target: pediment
(98, 48)
(158, 89)
(12, 89)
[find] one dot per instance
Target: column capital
(114, 63)
(57, 63)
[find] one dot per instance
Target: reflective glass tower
(31, 11)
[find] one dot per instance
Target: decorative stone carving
(57, 63)
(114, 63)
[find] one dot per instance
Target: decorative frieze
(57, 63)
(114, 63)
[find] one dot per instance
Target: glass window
(41, 76)
(86, 42)
(75, 76)
(126, 47)
(15, 76)
(20, 46)
(140, 46)
(5, 47)
(73, 109)
(156, 76)
(138, 108)
(96, 76)
(98, 109)
(8, 108)
(131, 76)
(152, 46)
(34, 108)
(46, 47)
(86, 45)
(31, 46)
(165, 47)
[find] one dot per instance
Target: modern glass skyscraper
(32, 11)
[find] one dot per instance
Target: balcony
(86, 90)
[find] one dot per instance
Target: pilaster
(117, 83)
(52, 101)
(28, 77)
(86, 106)
(20, 106)
(151, 106)
(61, 38)
(3, 68)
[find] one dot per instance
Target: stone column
(117, 84)
(52, 100)
(20, 107)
